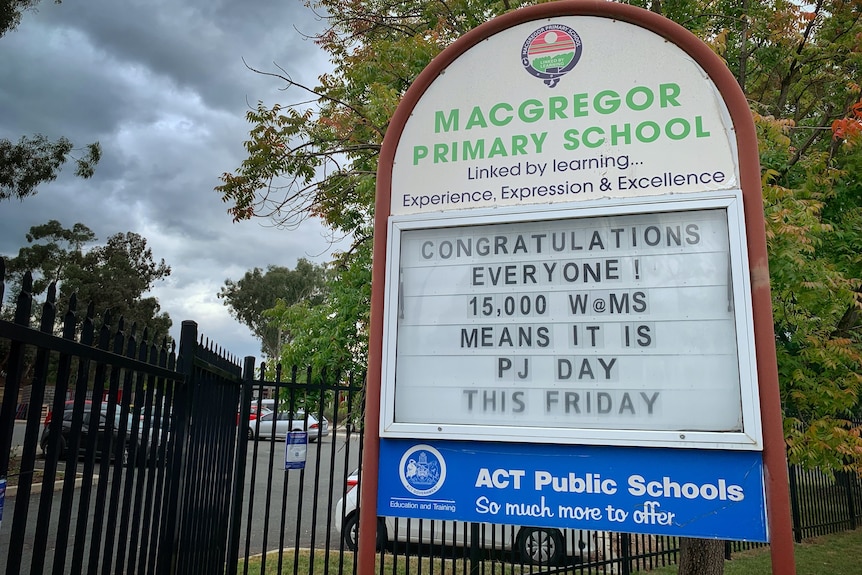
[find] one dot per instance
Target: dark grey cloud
(199, 44)
(162, 85)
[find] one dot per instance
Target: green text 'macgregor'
(605, 102)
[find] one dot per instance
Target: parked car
(114, 448)
(67, 406)
(252, 416)
(533, 545)
(279, 424)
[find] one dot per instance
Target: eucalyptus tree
(116, 275)
(258, 291)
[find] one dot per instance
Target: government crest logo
(422, 470)
(551, 52)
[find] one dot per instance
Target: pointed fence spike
(2, 279)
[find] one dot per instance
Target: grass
(393, 564)
(836, 554)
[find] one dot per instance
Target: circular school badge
(551, 52)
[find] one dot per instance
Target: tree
(51, 251)
(114, 276)
(257, 291)
(36, 160)
(12, 10)
(332, 333)
(376, 56)
(805, 113)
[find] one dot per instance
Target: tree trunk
(701, 556)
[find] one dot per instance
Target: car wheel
(350, 531)
(60, 447)
(124, 455)
(540, 546)
(250, 433)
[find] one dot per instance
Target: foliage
(259, 290)
(811, 203)
(12, 10)
(332, 335)
(36, 160)
(796, 62)
(113, 276)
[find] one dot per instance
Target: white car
(533, 545)
(279, 424)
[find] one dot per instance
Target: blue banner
(678, 492)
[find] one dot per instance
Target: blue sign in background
(680, 492)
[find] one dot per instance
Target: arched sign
(570, 261)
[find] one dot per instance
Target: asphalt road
(298, 505)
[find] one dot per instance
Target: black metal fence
(291, 505)
(130, 469)
(207, 463)
(822, 503)
(186, 470)
(94, 501)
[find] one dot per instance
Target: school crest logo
(422, 470)
(551, 52)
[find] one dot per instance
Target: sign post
(570, 270)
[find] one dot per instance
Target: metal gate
(288, 512)
(130, 468)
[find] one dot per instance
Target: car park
(279, 424)
(532, 545)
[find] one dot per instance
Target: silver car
(279, 424)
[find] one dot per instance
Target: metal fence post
(851, 506)
(239, 475)
(794, 504)
(14, 373)
(626, 552)
(475, 549)
(185, 365)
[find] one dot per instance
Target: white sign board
(560, 326)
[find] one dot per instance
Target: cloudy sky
(161, 84)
